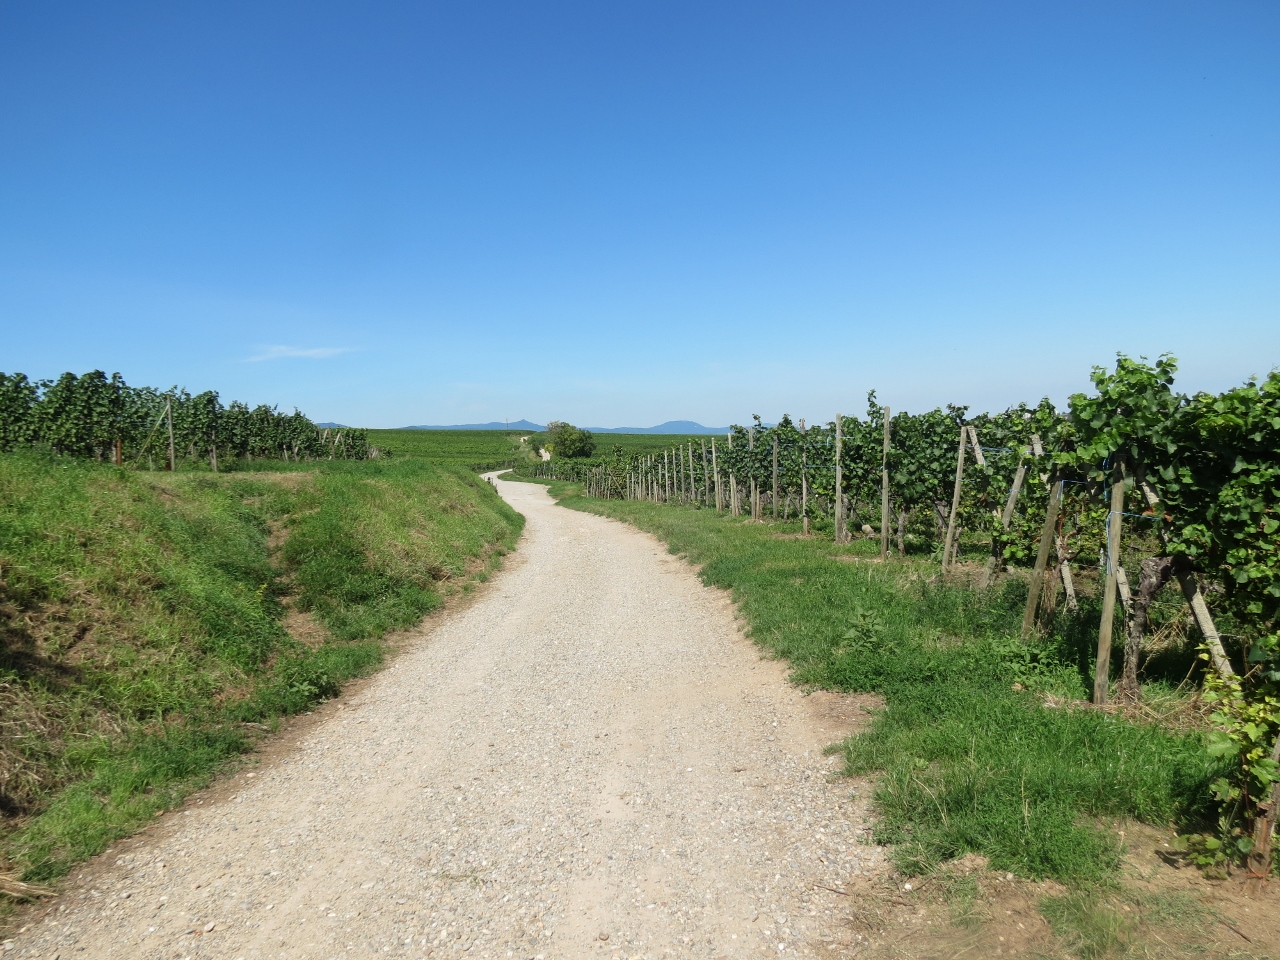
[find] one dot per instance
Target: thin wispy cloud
(308, 353)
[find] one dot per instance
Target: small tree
(566, 440)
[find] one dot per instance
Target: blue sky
(394, 213)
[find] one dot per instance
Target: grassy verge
(143, 638)
(982, 746)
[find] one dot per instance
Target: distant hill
(332, 426)
(671, 426)
(496, 425)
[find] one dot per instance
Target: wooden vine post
(755, 489)
(884, 488)
(1006, 517)
(693, 475)
(775, 473)
(1042, 555)
(839, 494)
(955, 504)
(168, 412)
(804, 480)
(715, 473)
(1195, 599)
(706, 475)
(734, 507)
(1102, 667)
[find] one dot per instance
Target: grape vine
(1198, 480)
(104, 418)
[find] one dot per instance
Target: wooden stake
(775, 473)
(693, 480)
(1006, 518)
(1102, 667)
(706, 476)
(804, 479)
(1200, 610)
(839, 504)
(734, 506)
(955, 503)
(168, 412)
(884, 488)
(715, 472)
(1042, 557)
(755, 490)
(977, 450)
(1195, 600)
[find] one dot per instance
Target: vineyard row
(104, 418)
(1159, 486)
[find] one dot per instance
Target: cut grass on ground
(142, 636)
(979, 748)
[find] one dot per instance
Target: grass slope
(142, 637)
(971, 759)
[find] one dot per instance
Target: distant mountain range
(495, 425)
(671, 426)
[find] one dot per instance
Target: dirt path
(589, 761)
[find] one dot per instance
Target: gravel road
(587, 761)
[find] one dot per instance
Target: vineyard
(477, 450)
(101, 417)
(1097, 508)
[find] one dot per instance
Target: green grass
(474, 449)
(968, 756)
(634, 443)
(1096, 923)
(141, 620)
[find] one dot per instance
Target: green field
(474, 449)
(151, 622)
(639, 443)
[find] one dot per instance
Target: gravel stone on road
(588, 761)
